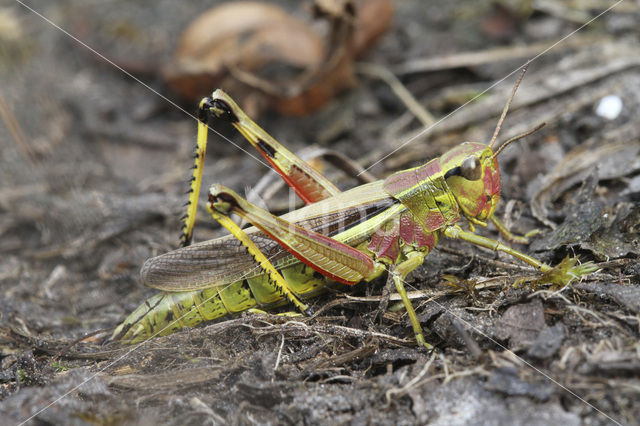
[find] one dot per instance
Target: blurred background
(96, 139)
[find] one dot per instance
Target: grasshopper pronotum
(350, 236)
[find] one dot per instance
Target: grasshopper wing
(225, 260)
(210, 263)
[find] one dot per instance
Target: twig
(470, 59)
(275, 367)
(378, 71)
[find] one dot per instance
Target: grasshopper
(345, 237)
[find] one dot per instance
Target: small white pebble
(609, 107)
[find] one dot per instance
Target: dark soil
(93, 167)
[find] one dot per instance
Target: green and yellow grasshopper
(346, 237)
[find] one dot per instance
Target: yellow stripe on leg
(260, 258)
(196, 179)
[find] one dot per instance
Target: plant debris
(92, 170)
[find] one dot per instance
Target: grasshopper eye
(471, 168)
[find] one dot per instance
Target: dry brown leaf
(246, 36)
(267, 58)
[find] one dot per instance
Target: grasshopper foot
(565, 272)
(424, 343)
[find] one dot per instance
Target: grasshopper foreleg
(562, 274)
(455, 232)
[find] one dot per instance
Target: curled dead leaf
(245, 36)
(268, 58)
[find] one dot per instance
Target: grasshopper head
(472, 174)
(471, 170)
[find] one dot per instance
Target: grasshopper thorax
(472, 174)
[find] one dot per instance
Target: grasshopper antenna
(518, 137)
(506, 107)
